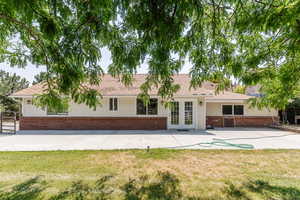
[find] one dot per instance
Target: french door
(182, 114)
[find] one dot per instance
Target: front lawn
(158, 174)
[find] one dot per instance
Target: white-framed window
(57, 112)
(113, 104)
(233, 109)
(238, 109)
(150, 109)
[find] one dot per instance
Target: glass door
(188, 113)
(175, 113)
(182, 114)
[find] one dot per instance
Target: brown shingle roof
(30, 91)
(113, 87)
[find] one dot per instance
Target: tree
(254, 41)
(240, 89)
(10, 83)
(292, 109)
(40, 78)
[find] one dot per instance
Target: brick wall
(243, 121)
(93, 123)
(215, 121)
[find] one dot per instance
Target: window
(150, 109)
(57, 112)
(140, 107)
(188, 113)
(233, 110)
(227, 109)
(175, 113)
(238, 110)
(113, 104)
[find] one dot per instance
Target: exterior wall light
(200, 103)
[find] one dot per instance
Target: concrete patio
(260, 138)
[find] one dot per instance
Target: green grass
(157, 174)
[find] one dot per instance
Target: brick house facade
(122, 110)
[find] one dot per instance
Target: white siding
(215, 109)
(201, 111)
(126, 108)
(257, 112)
(29, 110)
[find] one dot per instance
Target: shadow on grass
(161, 186)
(263, 189)
(30, 189)
(80, 191)
(164, 186)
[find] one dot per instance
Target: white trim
(141, 115)
(22, 107)
(205, 113)
(113, 104)
(29, 96)
(232, 109)
(196, 113)
(182, 124)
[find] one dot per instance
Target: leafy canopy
(255, 41)
(42, 76)
(10, 83)
(240, 89)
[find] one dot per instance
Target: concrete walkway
(260, 138)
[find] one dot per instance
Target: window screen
(238, 110)
(227, 109)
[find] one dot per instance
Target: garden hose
(220, 142)
(223, 143)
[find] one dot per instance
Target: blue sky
(31, 70)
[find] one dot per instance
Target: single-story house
(122, 110)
